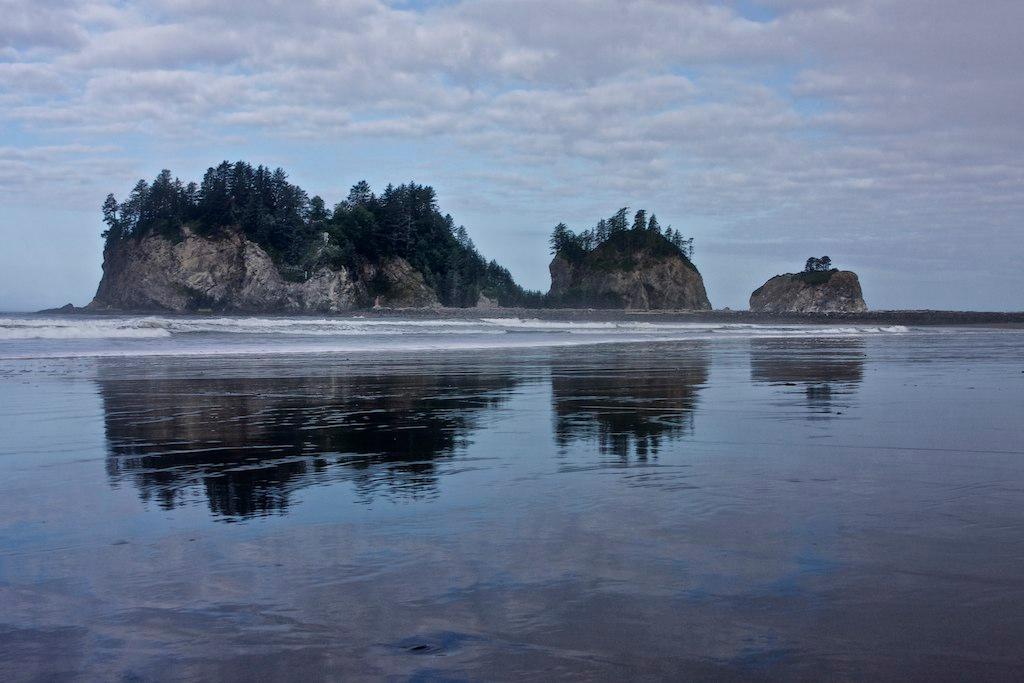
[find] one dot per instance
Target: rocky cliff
(632, 271)
(231, 273)
(834, 291)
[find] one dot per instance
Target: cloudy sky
(888, 134)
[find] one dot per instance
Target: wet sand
(789, 508)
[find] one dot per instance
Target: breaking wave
(41, 328)
(157, 327)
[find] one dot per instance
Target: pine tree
(640, 220)
(559, 238)
(133, 211)
(110, 209)
(619, 222)
(317, 215)
(361, 195)
(653, 225)
(587, 240)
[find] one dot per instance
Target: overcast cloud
(887, 134)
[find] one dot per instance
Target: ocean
(353, 497)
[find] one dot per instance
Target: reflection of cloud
(630, 400)
(247, 444)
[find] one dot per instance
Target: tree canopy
(818, 265)
(574, 246)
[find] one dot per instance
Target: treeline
(302, 234)
(575, 246)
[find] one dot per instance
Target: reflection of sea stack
(831, 291)
(816, 361)
(629, 404)
(246, 444)
(826, 369)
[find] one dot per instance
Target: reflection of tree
(246, 444)
(827, 369)
(630, 399)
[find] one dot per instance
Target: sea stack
(246, 240)
(632, 269)
(812, 291)
(231, 273)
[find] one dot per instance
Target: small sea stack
(818, 289)
(632, 268)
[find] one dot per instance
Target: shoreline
(883, 317)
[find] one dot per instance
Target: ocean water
(365, 498)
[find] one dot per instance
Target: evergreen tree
(361, 195)
(818, 265)
(619, 222)
(462, 237)
(133, 211)
(587, 240)
(640, 220)
(653, 225)
(110, 209)
(317, 213)
(559, 239)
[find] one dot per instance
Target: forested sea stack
(247, 240)
(614, 265)
(820, 288)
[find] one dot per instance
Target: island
(819, 288)
(247, 240)
(615, 265)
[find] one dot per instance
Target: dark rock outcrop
(630, 271)
(833, 291)
(231, 273)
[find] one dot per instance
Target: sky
(887, 134)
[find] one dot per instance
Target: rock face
(230, 273)
(834, 291)
(630, 276)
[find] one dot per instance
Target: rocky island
(617, 266)
(820, 288)
(246, 240)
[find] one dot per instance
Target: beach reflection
(827, 371)
(631, 400)
(679, 510)
(245, 444)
